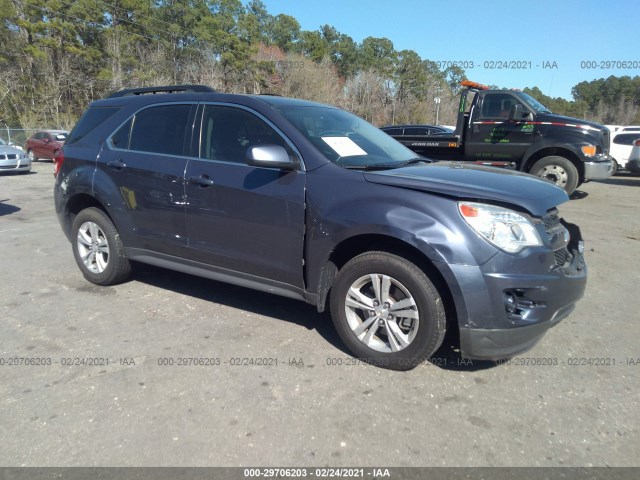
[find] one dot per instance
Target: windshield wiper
(385, 166)
(413, 161)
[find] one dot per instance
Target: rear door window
(163, 129)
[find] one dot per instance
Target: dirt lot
(568, 402)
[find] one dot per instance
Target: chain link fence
(17, 136)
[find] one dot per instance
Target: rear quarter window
(90, 120)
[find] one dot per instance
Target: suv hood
(474, 182)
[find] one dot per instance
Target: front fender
(430, 224)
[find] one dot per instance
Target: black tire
(616, 167)
(32, 155)
(423, 335)
(98, 249)
(559, 170)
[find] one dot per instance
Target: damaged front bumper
(508, 313)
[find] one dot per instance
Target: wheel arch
(558, 152)
(78, 202)
(356, 245)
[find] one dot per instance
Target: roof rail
(163, 89)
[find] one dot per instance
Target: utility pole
(436, 100)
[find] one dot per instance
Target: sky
(551, 44)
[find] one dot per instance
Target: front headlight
(506, 229)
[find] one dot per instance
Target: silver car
(13, 159)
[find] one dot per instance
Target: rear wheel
(559, 170)
(98, 249)
(387, 311)
(31, 155)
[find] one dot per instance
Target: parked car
(623, 128)
(313, 203)
(45, 144)
(621, 145)
(402, 130)
(633, 164)
(13, 159)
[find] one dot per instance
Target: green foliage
(58, 55)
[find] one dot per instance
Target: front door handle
(202, 180)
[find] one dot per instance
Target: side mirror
(519, 113)
(270, 156)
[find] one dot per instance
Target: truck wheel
(615, 167)
(98, 249)
(387, 311)
(559, 170)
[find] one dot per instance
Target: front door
(242, 218)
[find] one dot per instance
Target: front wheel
(98, 249)
(387, 311)
(31, 155)
(559, 170)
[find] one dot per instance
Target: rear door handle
(202, 180)
(117, 164)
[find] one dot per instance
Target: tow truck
(510, 129)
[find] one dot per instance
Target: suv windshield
(533, 103)
(345, 139)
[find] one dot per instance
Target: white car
(621, 144)
(13, 159)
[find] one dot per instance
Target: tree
(343, 51)
(313, 46)
(377, 54)
(284, 31)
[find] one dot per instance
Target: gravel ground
(567, 402)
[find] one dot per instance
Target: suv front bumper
(494, 329)
(599, 169)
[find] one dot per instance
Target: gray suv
(310, 202)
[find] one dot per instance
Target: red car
(45, 144)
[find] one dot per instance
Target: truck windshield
(345, 139)
(533, 103)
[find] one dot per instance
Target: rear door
(146, 159)
(242, 218)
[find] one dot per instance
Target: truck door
(491, 135)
